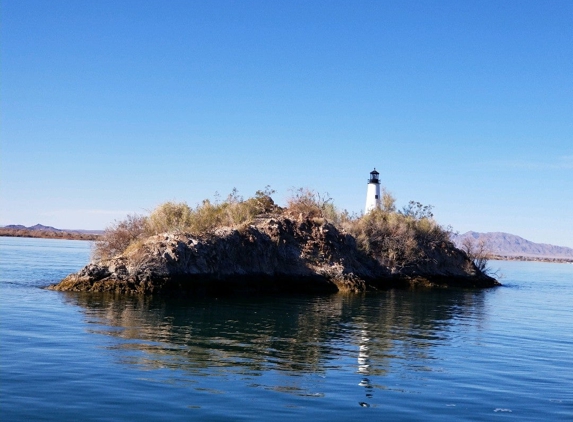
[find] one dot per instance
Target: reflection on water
(443, 356)
(249, 337)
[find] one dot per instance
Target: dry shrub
(307, 203)
(388, 201)
(118, 236)
(479, 252)
(136, 253)
(170, 217)
(428, 232)
(397, 240)
(206, 217)
(178, 217)
(386, 236)
(233, 212)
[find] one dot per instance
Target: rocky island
(253, 245)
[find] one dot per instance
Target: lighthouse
(373, 192)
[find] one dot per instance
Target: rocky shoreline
(269, 255)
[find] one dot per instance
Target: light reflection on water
(445, 355)
(292, 336)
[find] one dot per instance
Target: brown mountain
(47, 232)
(42, 228)
(510, 245)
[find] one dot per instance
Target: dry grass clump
(169, 217)
(178, 217)
(306, 203)
(233, 212)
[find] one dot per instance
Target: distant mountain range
(34, 231)
(510, 245)
(41, 227)
(36, 227)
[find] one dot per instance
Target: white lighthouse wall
(372, 197)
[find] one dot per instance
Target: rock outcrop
(270, 255)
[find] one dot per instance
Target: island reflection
(295, 335)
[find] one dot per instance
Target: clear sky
(112, 107)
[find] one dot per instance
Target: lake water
(499, 354)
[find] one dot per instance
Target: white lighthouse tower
(373, 192)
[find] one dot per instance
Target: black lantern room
(374, 177)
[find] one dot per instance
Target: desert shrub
(430, 233)
(170, 217)
(118, 236)
(234, 211)
(237, 211)
(204, 217)
(396, 239)
(127, 236)
(264, 202)
(307, 203)
(479, 252)
(388, 202)
(417, 210)
(387, 236)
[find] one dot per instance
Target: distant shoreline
(531, 258)
(47, 234)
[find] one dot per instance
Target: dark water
(502, 354)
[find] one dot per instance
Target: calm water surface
(505, 353)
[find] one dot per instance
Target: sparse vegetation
(169, 217)
(178, 217)
(306, 203)
(417, 211)
(479, 252)
(398, 239)
(118, 236)
(388, 201)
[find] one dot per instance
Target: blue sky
(112, 107)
